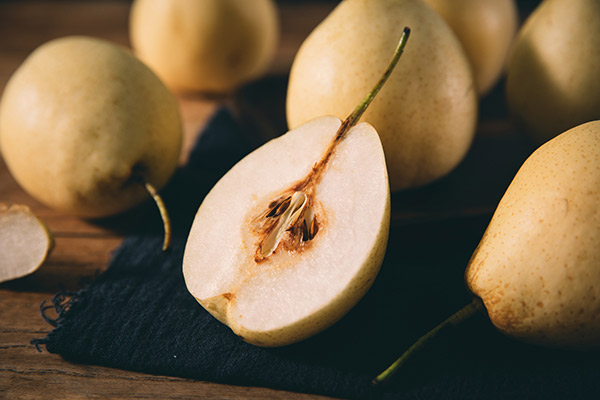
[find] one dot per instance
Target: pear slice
(25, 242)
(293, 235)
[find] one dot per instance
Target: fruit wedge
(25, 242)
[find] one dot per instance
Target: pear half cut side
(25, 241)
(278, 257)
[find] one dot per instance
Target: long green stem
(461, 315)
(359, 110)
(364, 104)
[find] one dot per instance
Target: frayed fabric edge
(61, 303)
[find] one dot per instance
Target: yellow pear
(205, 45)
(552, 76)
(24, 239)
(285, 243)
(537, 267)
(83, 124)
(426, 113)
(486, 28)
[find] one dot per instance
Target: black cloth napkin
(139, 316)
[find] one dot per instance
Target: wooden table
(83, 248)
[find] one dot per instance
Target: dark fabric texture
(139, 316)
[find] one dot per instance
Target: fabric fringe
(61, 303)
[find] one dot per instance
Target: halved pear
(25, 242)
(294, 234)
(306, 283)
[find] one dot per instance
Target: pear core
(331, 221)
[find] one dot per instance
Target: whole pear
(486, 28)
(205, 45)
(426, 113)
(552, 76)
(537, 267)
(83, 123)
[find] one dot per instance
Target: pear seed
(293, 210)
(309, 225)
(280, 209)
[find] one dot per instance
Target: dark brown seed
(282, 207)
(278, 207)
(314, 228)
(305, 234)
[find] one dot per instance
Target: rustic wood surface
(83, 248)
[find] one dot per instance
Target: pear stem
(460, 316)
(353, 118)
(163, 214)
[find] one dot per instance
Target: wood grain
(83, 248)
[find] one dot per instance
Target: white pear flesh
(537, 268)
(292, 294)
(79, 118)
(25, 242)
(427, 112)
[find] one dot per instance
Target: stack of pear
(426, 113)
(552, 76)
